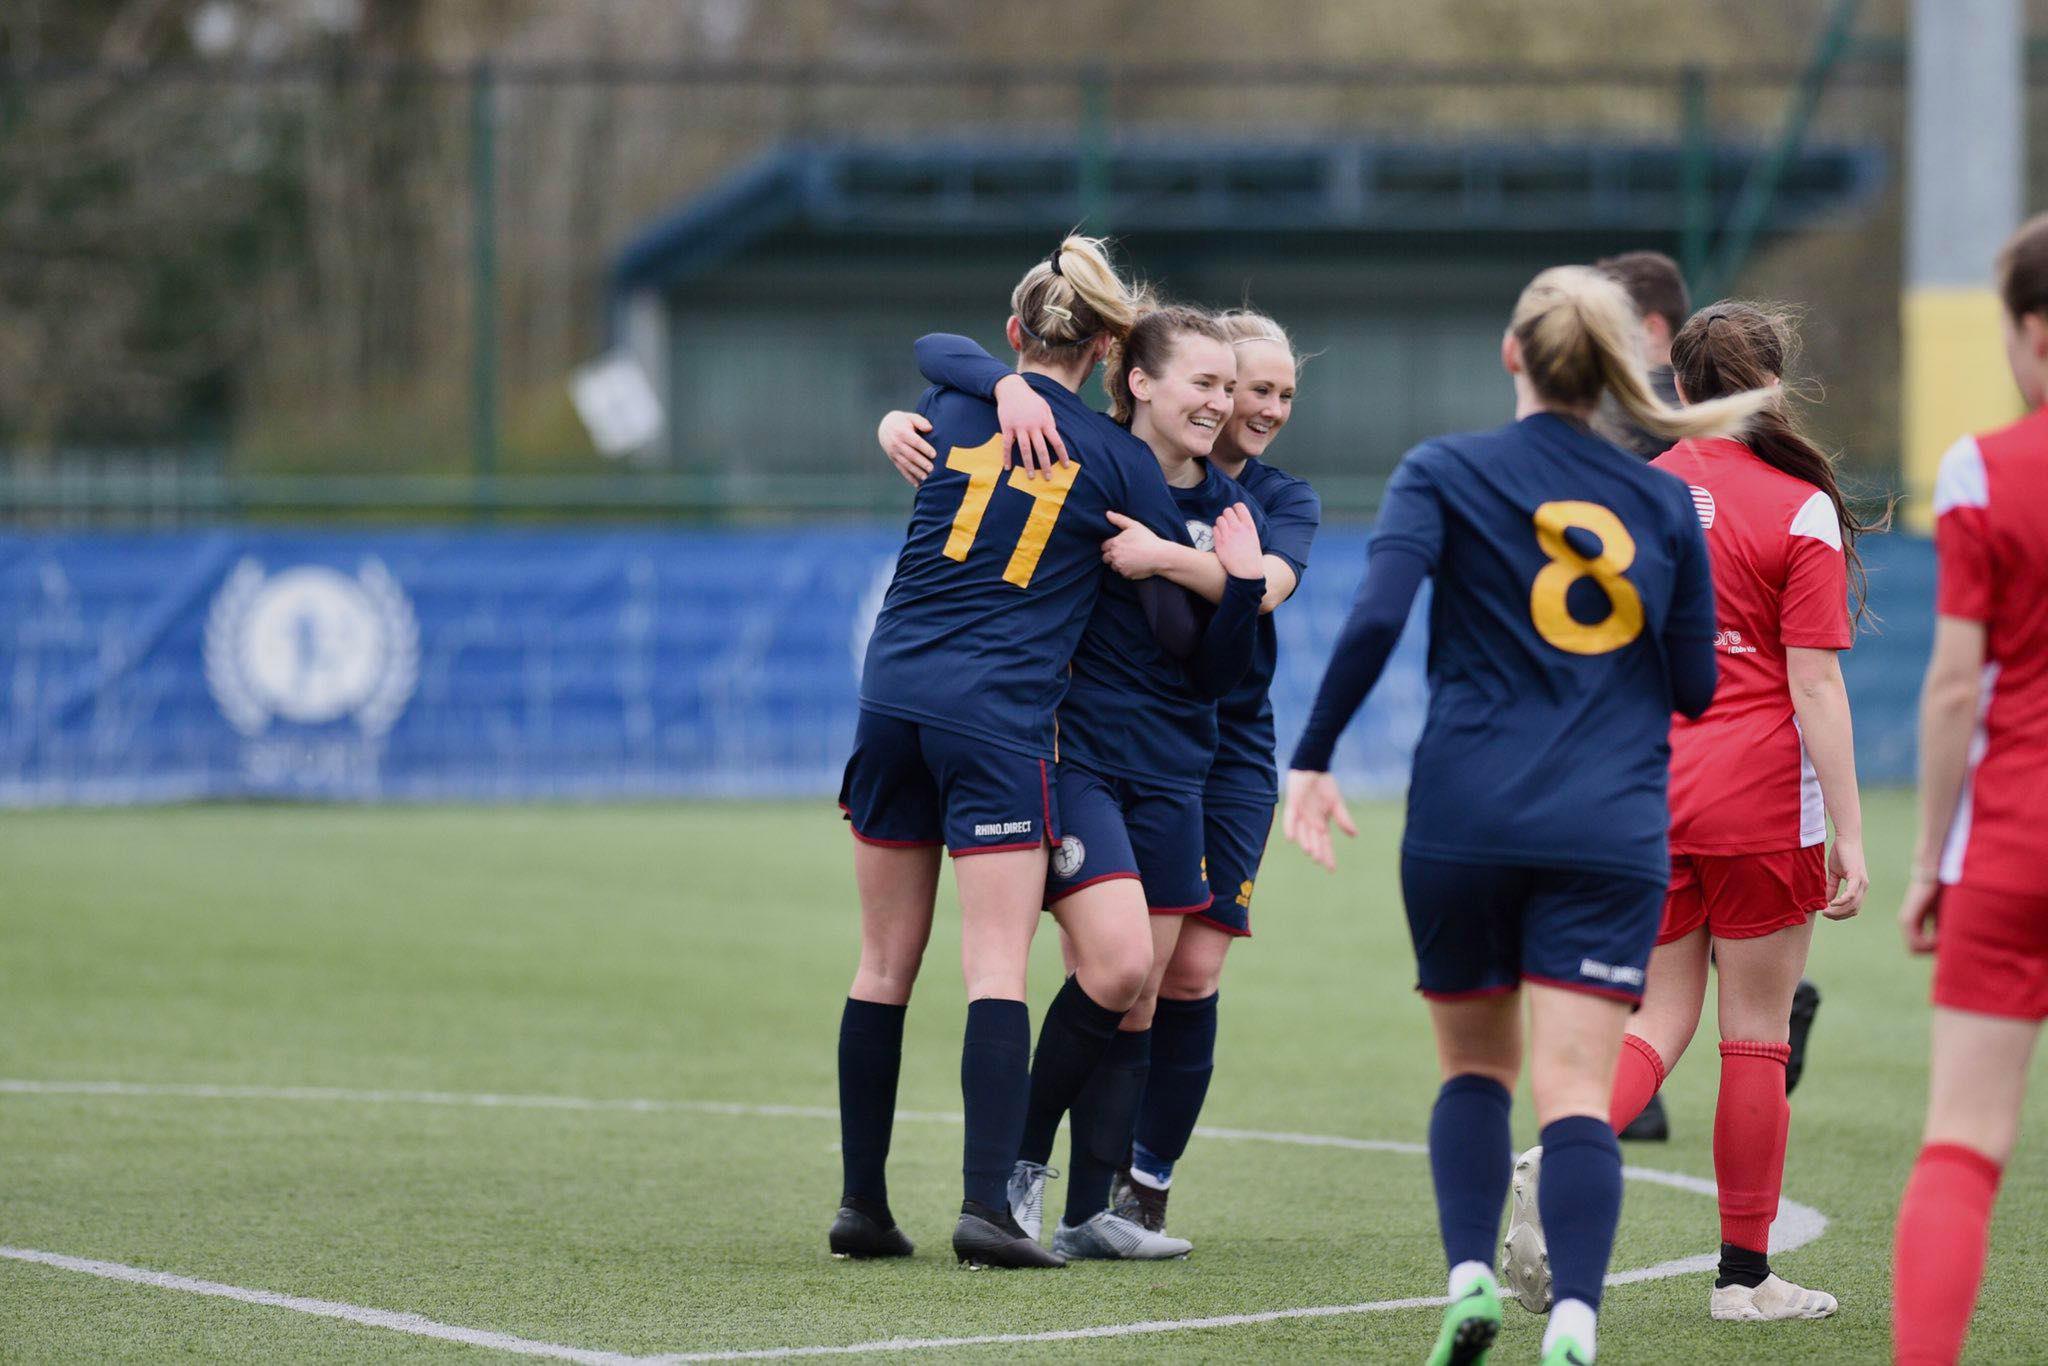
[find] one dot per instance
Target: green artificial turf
(700, 953)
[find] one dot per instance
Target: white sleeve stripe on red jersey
(1953, 852)
(1817, 518)
(1962, 483)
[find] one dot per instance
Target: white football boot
(1108, 1236)
(1774, 1299)
(1524, 1256)
(1027, 1196)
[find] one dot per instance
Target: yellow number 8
(1554, 622)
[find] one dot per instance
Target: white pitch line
(414, 1324)
(1797, 1225)
(1111, 1330)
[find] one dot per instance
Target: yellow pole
(1953, 381)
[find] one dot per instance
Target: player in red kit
(1753, 783)
(1979, 893)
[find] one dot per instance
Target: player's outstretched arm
(1949, 701)
(1313, 802)
(1820, 701)
(902, 440)
(1030, 435)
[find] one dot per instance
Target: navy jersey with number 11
(998, 572)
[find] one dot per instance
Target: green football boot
(1471, 1322)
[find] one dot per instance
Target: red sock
(1938, 1254)
(1750, 1123)
(1636, 1078)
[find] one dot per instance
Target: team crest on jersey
(1068, 858)
(1202, 534)
(1703, 504)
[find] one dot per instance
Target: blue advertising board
(511, 665)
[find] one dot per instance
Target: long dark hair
(1732, 346)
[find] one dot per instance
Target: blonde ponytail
(1073, 297)
(1577, 333)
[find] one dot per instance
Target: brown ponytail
(1063, 309)
(1731, 346)
(1149, 346)
(1577, 331)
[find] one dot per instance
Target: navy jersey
(999, 574)
(1244, 720)
(1562, 567)
(1131, 709)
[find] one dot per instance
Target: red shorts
(1744, 896)
(1991, 952)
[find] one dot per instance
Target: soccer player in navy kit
(1242, 788)
(1573, 612)
(996, 581)
(1138, 735)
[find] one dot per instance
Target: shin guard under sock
(870, 1058)
(1071, 1042)
(1751, 1121)
(1103, 1116)
(1579, 1201)
(1471, 1161)
(1183, 1060)
(995, 1078)
(1637, 1077)
(1938, 1253)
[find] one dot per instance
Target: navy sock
(1104, 1114)
(870, 1057)
(995, 1078)
(1471, 1159)
(1579, 1199)
(1071, 1042)
(1183, 1060)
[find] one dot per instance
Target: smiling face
(1187, 404)
(1264, 399)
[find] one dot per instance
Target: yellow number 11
(983, 466)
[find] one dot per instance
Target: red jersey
(1741, 782)
(1991, 545)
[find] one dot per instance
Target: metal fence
(359, 289)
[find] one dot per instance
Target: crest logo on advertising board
(310, 645)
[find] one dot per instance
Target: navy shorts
(1480, 929)
(912, 786)
(1234, 831)
(1115, 828)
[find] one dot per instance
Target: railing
(408, 257)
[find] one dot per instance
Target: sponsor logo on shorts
(1609, 972)
(987, 828)
(1068, 858)
(1244, 894)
